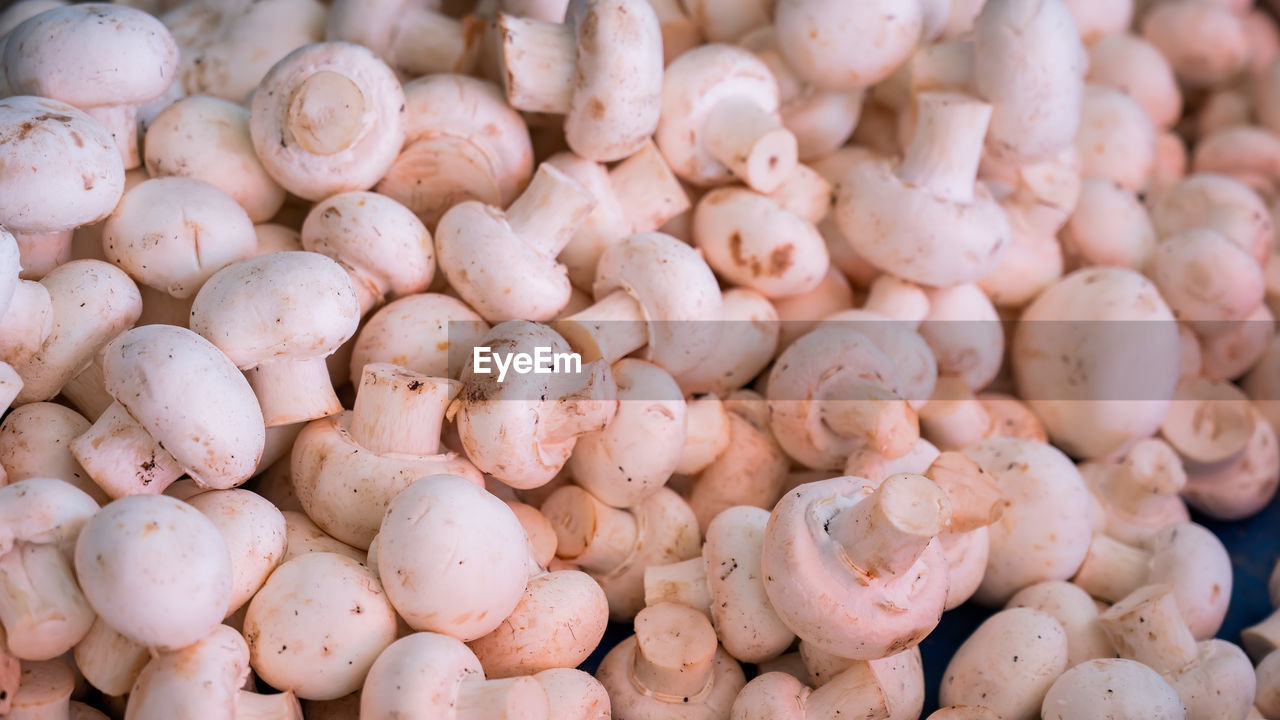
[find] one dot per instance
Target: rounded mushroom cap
(574, 695)
(207, 138)
(428, 333)
(748, 627)
(692, 86)
(753, 242)
(1116, 139)
(317, 625)
(214, 427)
(92, 55)
(1206, 277)
(443, 531)
(62, 168)
(255, 533)
(202, 679)
(1044, 531)
(771, 696)
(173, 233)
(1109, 226)
(815, 590)
(839, 45)
(371, 23)
(1218, 202)
(1194, 561)
(328, 118)
(1205, 42)
(1007, 664)
(1096, 356)
(155, 570)
(294, 305)
(1131, 64)
(1073, 609)
(677, 292)
(43, 511)
(1114, 688)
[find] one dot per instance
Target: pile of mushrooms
(396, 360)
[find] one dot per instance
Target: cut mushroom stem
(541, 59)
(859, 407)
(506, 699)
(1112, 569)
(548, 211)
(751, 142)
(122, 457)
(647, 191)
(291, 387)
(44, 692)
(587, 408)
(1148, 627)
(122, 122)
(947, 145)
(326, 113)
(1262, 639)
(884, 534)
(684, 583)
(1209, 423)
(108, 660)
(610, 330)
(400, 411)
(974, 495)
(590, 534)
(675, 647)
(1150, 473)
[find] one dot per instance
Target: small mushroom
(477, 549)
(1140, 493)
(1008, 664)
(753, 326)
(426, 333)
(1124, 689)
(426, 676)
(1075, 611)
(778, 696)
(1109, 226)
(255, 533)
(35, 442)
(280, 334)
(574, 695)
(751, 241)
(1116, 139)
(110, 661)
(161, 424)
(104, 59)
(751, 470)
(328, 118)
(155, 569)
(317, 625)
(1204, 42)
(838, 552)
(1267, 674)
(671, 667)
(846, 46)
(1136, 67)
(1216, 202)
(412, 36)
(602, 69)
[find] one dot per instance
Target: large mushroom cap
(191, 398)
(91, 55)
(61, 168)
(1122, 689)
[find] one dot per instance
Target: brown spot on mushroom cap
(781, 259)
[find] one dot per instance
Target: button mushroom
(1124, 689)
(1008, 664)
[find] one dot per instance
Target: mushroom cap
(173, 233)
(1043, 533)
(377, 240)
(916, 235)
(771, 696)
(376, 141)
(752, 241)
(1204, 276)
(617, 97)
(1130, 63)
(427, 333)
(294, 305)
(1219, 202)
(255, 533)
(62, 168)
(742, 353)
(155, 570)
(317, 625)
(444, 531)
(35, 442)
(629, 700)
(1195, 562)
(692, 86)
(371, 23)
(92, 55)
(1007, 664)
(1122, 689)
(1072, 607)
(207, 138)
(816, 592)
(574, 695)
(677, 292)
(202, 679)
(10, 267)
(43, 511)
(214, 427)
(818, 39)
(1096, 356)
(912, 358)
(746, 623)
(1116, 138)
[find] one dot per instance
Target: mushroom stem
(953, 418)
(541, 60)
(1262, 639)
(549, 210)
(10, 385)
(507, 699)
(1112, 569)
(610, 330)
(675, 651)
(41, 607)
(1148, 627)
(947, 145)
(122, 457)
(885, 533)
(110, 661)
(400, 411)
(589, 533)
(942, 66)
(431, 42)
(369, 291)
(87, 392)
(44, 692)
(277, 706)
(587, 408)
(684, 583)
(122, 122)
(858, 407)
(855, 688)
(1150, 473)
(42, 252)
(647, 191)
(292, 390)
(975, 497)
(326, 113)
(751, 142)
